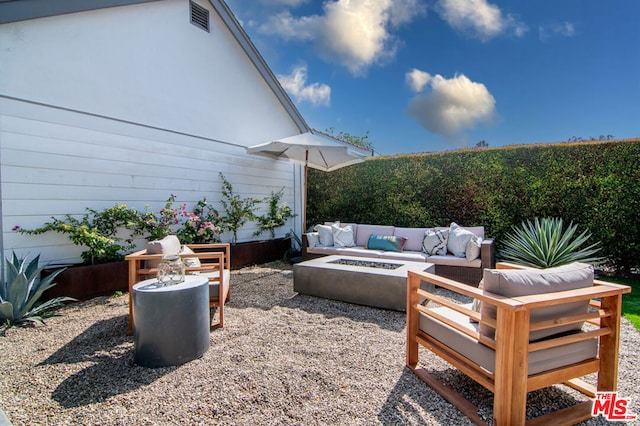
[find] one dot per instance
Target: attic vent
(199, 16)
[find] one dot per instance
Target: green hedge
(593, 184)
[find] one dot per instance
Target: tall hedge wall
(596, 185)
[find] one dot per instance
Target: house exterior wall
(130, 104)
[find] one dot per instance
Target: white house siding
(129, 104)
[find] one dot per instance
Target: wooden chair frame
(213, 257)
(511, 382)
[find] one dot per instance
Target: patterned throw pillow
(386, 242)
(342, 237)
(435, 241)
(458, 240)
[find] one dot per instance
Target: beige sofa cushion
(515, 282)
(414, 237)
(365, 231)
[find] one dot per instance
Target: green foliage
(96, 232)
(20, 295)
(361, 141)
(237, 210)
(203, 225)
(630, 301)
(594, 184)
(158, 225)
(544, 243)
(276, 217)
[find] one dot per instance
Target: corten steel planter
(88, 281)
(258, 252)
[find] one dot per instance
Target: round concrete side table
(171, 324)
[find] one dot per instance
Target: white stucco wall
(129, 104)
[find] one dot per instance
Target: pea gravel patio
(281, 358)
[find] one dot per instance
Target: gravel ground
(281, 358)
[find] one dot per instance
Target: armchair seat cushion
(214, 285)
(539, 361)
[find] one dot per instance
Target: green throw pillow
(386, 242)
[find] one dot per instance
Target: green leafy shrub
(156, 226)
(203, 225)
(595, 184)
(20, 294)
(95, 230)
(276, 216)
(237, 210)
(544, 243)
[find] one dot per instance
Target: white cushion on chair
(166, 246)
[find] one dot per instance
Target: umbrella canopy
(313, 149)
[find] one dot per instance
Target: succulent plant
(20, 294)
(543, 244)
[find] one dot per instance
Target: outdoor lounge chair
(213, 261)
(518, 343)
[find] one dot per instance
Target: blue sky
(436, 75)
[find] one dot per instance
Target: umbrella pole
(304, 197)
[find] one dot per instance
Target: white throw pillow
(190, 262)
(435, 241)
(325, 234)
(473, 248)
(313, 239)
(458, 240)
(342, 237)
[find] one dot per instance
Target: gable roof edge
(23, 10)
(258, 61)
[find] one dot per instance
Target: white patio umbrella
(313, 149)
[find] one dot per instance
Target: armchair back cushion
(524, 282)
(166, 246)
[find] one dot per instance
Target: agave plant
(20, 294)
(543, 244)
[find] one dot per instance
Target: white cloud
(453, 106)
(479, 18)
(417, 79)
(288, 3)
(353, 33)
(296, 85)
(564, 29)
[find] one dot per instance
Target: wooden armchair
(214, 261)
(519, 343)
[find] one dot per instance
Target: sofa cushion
(313, 239)
(407, 255)
(342, 236)
(364, 231)
(325, 235)
(451, 260)
(386, 242)
(435, 241)
(458, 240)
(516, 282)
(473, 248)
(414, 237)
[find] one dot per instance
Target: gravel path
(281, 358)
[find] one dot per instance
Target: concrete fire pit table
(381, 283)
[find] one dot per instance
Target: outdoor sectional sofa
(465, 269)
